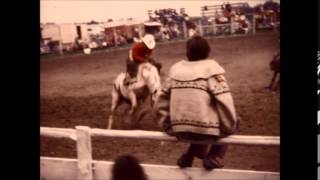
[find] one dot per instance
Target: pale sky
(70, 11)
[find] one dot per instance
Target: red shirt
(140, 52)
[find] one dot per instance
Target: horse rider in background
(140, 53)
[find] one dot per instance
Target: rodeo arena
(103, 115)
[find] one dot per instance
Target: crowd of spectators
(172, 22)
(175, 24)
(242, 14)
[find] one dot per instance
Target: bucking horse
(146, 87)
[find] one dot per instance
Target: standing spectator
(196, 105)
(243, 24)
(227, 12)
(128, 167)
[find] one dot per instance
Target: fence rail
(84, 168)
(66, 169)
(154, 135)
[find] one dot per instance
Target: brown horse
(275, 67)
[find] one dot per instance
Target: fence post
(254, 24)
(185, 30)
(60, 40)
(84, 153)
(232, 25)
(200, 28)
(214, 27)
(115, 35)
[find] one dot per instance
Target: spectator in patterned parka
(196, 106)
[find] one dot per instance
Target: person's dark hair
(197, 48)
(127, 167)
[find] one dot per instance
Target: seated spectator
(196, 105)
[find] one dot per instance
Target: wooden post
(232, 25)
(254, 24)
(200, 28)
(60, 40)
(214, 25)
(115, 35)
(185, 30)
(84, 153)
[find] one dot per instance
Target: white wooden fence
(84, 168)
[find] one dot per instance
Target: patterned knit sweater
(196, 99)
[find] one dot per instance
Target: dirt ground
(75, 90)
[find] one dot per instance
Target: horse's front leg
(114, 104)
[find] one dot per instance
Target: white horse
(147, 83)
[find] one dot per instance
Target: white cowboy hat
(149, 41)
